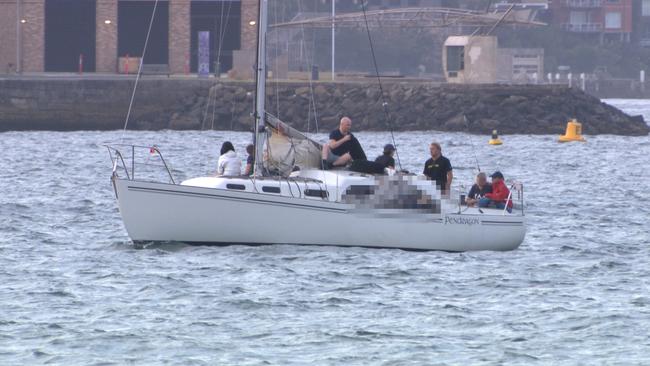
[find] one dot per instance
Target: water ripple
(74, 290)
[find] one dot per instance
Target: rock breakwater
(204, 104)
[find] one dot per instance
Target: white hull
(170, 212)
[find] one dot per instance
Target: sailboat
(290, 199)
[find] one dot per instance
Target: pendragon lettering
(461, 220)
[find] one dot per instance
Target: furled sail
(288, 148)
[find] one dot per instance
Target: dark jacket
(477, 192)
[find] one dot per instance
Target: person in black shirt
(342, 147)
(478, 190)
(439, 168)
(386, 159)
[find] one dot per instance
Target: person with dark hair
(439, 168)
(386, 159)
(250, 160)
(500, 195)
(229, 164)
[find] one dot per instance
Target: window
(267, 189)
(578, 17)
(455, 58)
(358, 190)
(316, 193)
(613, 20)
(645, 8)
(239, 187)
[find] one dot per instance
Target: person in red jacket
(499, 196)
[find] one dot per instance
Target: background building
(520, 65)
(607, 19)
(643, 27)
(53, 35)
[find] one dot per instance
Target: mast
(260, 91)
(333, 39)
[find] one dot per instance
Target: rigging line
(209, 98)
(137, 78)
(207, 107)
(309, 61)
(472, 143)
(213, 94)
(214, 109)
(222, 30)
(205, 117)
(381, 89)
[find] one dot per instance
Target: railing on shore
(583, 27)
(584, 3)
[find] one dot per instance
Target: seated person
(499, 195)
(250, 160)
(229, 164)
(342, 147)
(386, 159)
(478, 190)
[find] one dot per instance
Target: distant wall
(91, 104)
(163, 103)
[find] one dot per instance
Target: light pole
(333, 39)
(18, 36)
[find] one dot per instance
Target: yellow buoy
(495, 140)
(573, 132)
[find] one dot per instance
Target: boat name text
(461, 220)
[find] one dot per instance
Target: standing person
(439, 168)
(500, 193)
(386, 159)
(229, 164)
(478, 190)
(250, 160)
(342, 146)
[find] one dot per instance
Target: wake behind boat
(290, 199)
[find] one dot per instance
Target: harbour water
(74, 290)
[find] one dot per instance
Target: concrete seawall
(161, 103)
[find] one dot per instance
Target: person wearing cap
(439, 168)
(386, 159)
(500, 194)
(478, 190)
